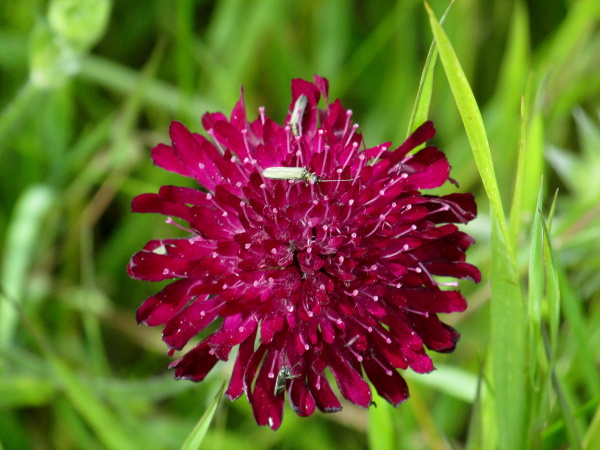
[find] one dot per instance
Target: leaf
(22, 239)
(195, 438)
(420, 112)
(472, 120)
(507, 345)
(102, 420)
(380, 432)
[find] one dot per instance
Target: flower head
(329, 267)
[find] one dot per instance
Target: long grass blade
(472, 120)
(195, 438)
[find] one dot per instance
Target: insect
(294, 173)
(297, 114)
(284, 374)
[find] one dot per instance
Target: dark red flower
(333, 269)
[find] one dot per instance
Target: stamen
(382, 218)
(271, 373)
(307, 307)
(319, 141)
(244, 210)
(246, 143)
(211, 133)
(300, 156)
(170, 221)
(351, 134)
(445, 207)
(314, 203)
(351, 153)
(263, 186)
(404, 248)
(359, 358)
(303, 341)
(413, 227)
(348, 121)
(420, 313)
(243, 173)
(387, 370)
(326, 148)
(350, 203)
(361, 164)
(336, 320)
(382, 149)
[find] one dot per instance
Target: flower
(330, 267)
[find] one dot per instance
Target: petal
(431, 301)
(461, 208)
(212, 223)
(195, 364)
(164, 156)
(418, 137)
(150, 266)
(186, 148)
(159, 308)
(266, 406)
(324, 397)
(460, 270)
(190, 321)
(387, 381)
(427, 169)
(245, 352)
(301, 400)
(350, 382)
(185, 195)
(152, 203)
(436, 335)
(250, 371)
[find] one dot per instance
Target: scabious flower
(334, 270)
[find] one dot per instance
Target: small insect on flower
(297, 114)
(300, 281)
(284, 374)
(290, 173)
(294, 173)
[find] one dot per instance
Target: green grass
(514, 91)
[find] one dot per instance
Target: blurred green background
(88, 87)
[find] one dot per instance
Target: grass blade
(472, 120)
(194, 440)
(99, 417)
(507, 344)
(22, 239)
(380, 432)
(420, 111)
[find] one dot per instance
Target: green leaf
(451, 380)
(420, 111)
(507, 345)
(25, 391)
(515, 61)
(535, 297)
(194, 440)
(22, 240)
(380, 432)
(516, 210)
(105, 424)
(593, 433)
(552, 289)
(472, 120)
(575, 319)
